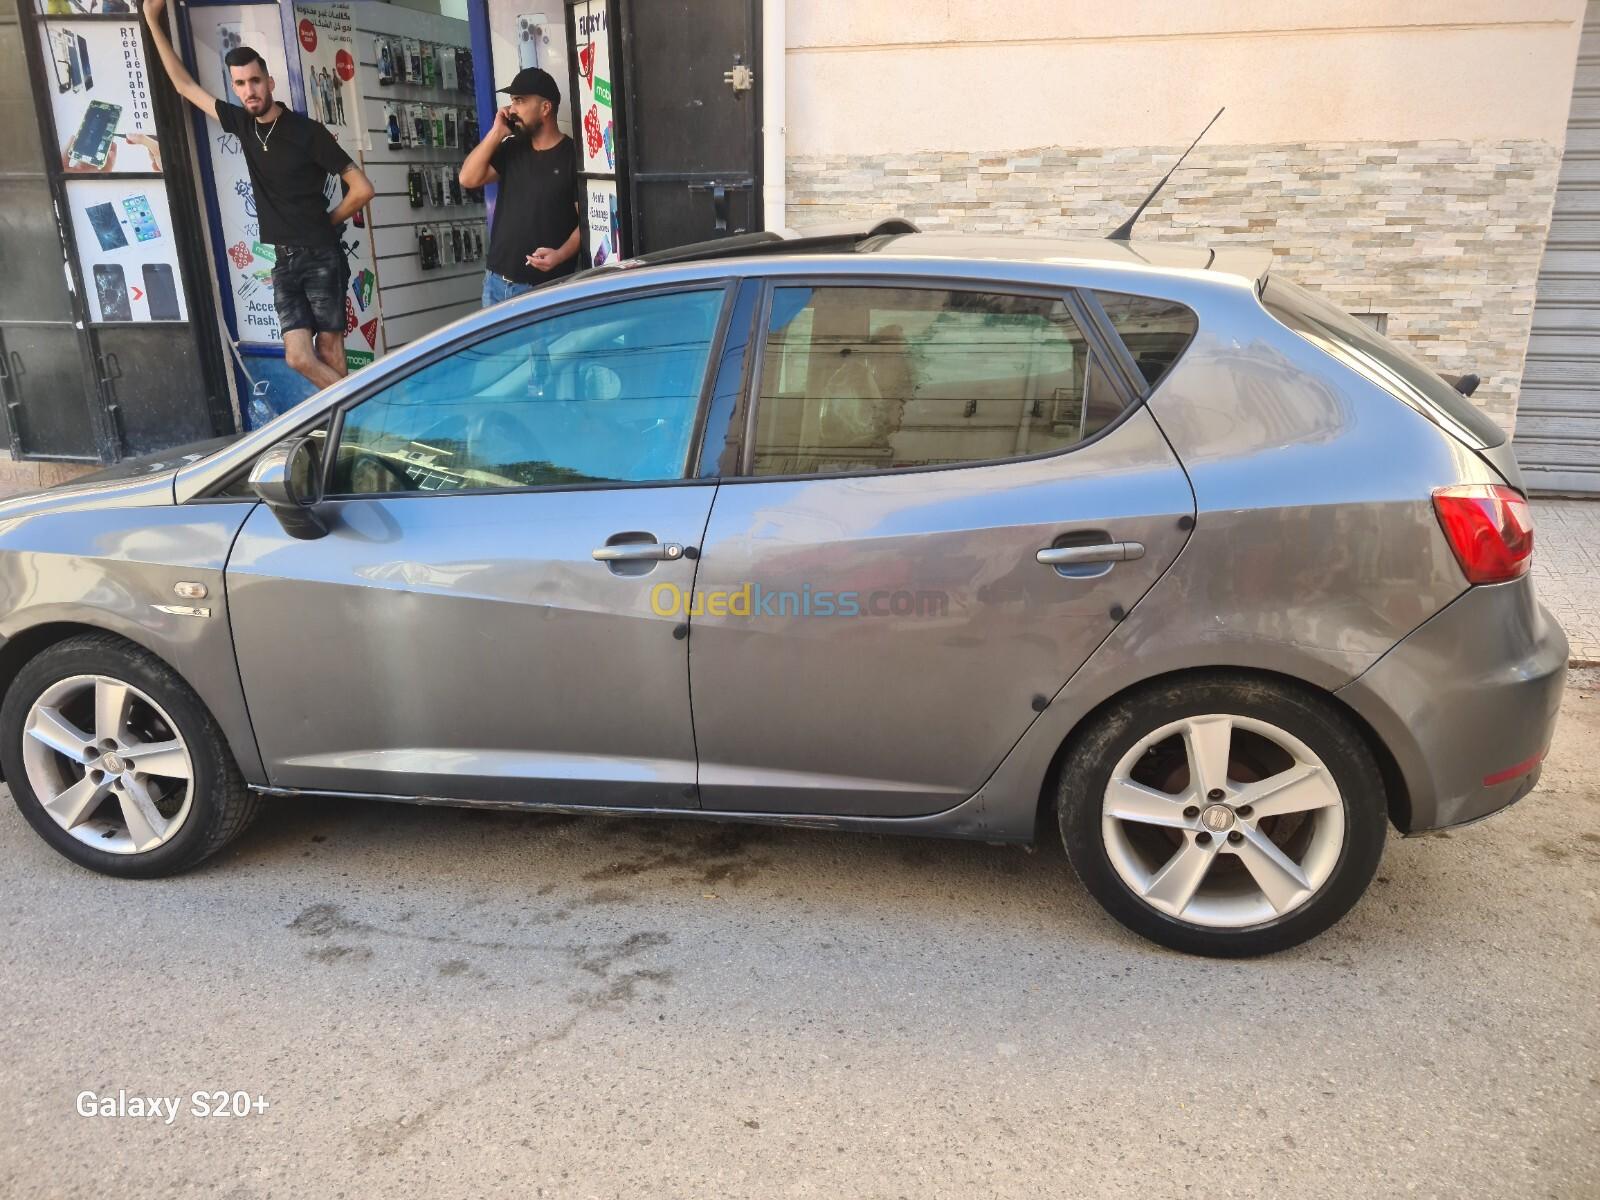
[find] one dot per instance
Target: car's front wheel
(116, 762)
(1223, 815)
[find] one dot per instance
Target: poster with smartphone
(125, 249)
(99, 90)
(596, 131)
(604, 225)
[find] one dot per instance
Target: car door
(950, 497)
(476, 623)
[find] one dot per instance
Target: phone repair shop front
(397, 87)
(108, 338)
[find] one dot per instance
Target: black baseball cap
(532, 81)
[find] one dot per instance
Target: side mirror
(288, 479)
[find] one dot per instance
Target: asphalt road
(446, 1003)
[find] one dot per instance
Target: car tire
(1283, 744)
(165, 729)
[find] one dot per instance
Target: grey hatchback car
(872, 530)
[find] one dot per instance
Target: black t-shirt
(289, 176)
(537, 206)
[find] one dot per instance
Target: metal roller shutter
(1558, 415)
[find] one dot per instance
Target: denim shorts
(308, 285)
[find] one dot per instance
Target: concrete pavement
(1566, 570)
(442, 1003)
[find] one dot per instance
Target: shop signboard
(596, 118)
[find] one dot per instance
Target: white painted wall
(885, 76)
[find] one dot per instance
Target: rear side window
(873, 378)
(1155, 331)
(1380, 360)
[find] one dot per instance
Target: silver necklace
(270, 130)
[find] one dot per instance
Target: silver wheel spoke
(1130, 801)
(146, 826)
(167, 759)
(1280, 880)
(1207, 742)
(110, 709)
(1176, 883)
(1299, 789)
(73, 806)
(61, 735)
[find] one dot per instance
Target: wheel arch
(24, 645)
(1397, 796)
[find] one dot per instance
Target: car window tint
(1155, 331)
(863, 378)
(606, 394)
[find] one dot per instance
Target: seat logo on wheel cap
(1218, 818)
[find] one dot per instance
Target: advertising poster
(327, 47)
(125, 249)
(596, 131)
(215, 31)
(100, 95)
(605, 229)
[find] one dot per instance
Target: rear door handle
(1100, 552)
(640, 552)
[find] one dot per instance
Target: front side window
(606, 394)
(872, 378)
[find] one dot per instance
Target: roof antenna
(1125, 230)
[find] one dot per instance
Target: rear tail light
(1490, 528)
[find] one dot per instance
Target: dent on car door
(871, 638)
(476, 623)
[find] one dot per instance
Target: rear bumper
(1470, 696)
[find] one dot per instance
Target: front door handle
(640, 552)
(1100, 552)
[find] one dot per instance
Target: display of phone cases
(455, 193)
(161, 292)
(436, 115)
(427, 248)
(141, 218)
(384, 58)
(413, 60)
(107, 228)
(112, 289)
(416, 186)
(447, 69)
(93, 140)
(422, 127)
(450, 131)
(430, 66)
(391, 124)
(455, 244)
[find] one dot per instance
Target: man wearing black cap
(536, 229)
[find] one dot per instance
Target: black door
(692, 107)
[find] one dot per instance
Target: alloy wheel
(108, 764)
(1223, 821)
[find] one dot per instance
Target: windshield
(1380, 360)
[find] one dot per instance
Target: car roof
(899, 238)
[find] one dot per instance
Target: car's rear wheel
(115, 761)
(1222, 815)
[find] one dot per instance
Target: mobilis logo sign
(752, 600)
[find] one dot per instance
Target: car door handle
(1100, 552)
(640, 552)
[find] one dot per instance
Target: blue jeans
(497, 288)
